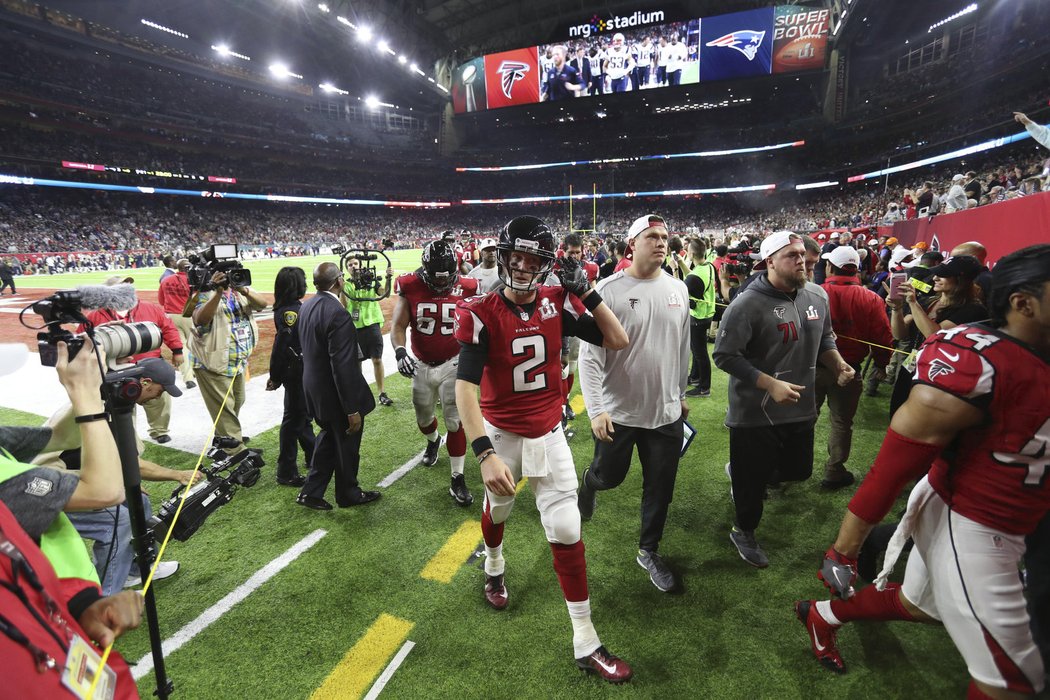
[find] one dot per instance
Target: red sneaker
(609, 667)
(821, 636)
(496, 592)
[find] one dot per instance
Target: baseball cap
(900, 255)
(843, 256)
(958, 266)
(160, 372)
(890, 242)
(834, 234)
(118, 279)
(643, 222)
(921, 245)
(821, 237)
(873, 241)
(957, 177)
(774, 242)
(487, 243)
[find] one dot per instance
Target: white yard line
(388, 672)
(212, 614)
(402, 470)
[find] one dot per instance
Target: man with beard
(769, 342)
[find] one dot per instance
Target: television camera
(221, 257)
(215, 490)
(363, 279)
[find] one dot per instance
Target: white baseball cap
(822, 236)
(843, 256)
(774, 242)
(834, 234)
(900, 255)
(487, 243)
(957, 177)
(873, 241)
(643, 222)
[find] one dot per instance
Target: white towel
(918, 499)
(534, 457)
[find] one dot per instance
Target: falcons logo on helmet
(745, 41)
(510, 73)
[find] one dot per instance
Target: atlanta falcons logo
(939, 367)
(745, 41)
(511, 72)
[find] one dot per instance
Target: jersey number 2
(528, 375)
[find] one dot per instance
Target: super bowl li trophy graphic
(469, 74)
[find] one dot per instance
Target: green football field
(264, 272)
(364, 582)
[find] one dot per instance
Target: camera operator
(110, 528)
(368, 320)
(223, 339)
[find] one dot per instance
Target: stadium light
(372, 101)
(225, 51)
(344, 20)
(162, 28)
(323, 8)
(328, 87)
(972, 7)
(815, 185)
(402, 60)
(364, 34)
(417, 70)
(281, 71)
(383, 46)
(440, 87)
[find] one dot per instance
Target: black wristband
(400, 352)
(481, 444)
(592, 300)
(92, 417)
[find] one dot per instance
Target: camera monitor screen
(224, 251)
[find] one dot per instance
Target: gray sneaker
(587, 498)
(659, 574)
(748, 547)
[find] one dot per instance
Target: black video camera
(739, 262)
(221, 257)
(363, 280)
(207, 495)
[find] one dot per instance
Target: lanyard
(22, 570)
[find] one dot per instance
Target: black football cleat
(459, 491)
(430, 456)
(609, 667)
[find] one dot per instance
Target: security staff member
(700, 282)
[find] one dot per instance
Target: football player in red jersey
(426, 303)
(511, 346)
(978, 420)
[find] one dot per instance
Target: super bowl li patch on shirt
(40, 487)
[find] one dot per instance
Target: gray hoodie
(765, 330)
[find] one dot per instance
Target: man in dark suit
(337, 395)
(583, 68)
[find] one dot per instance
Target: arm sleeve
(169, 332)
(36, 497)
(278, 354)
(584, 328)
(473, 339)
(472, 359)
(880, 331)
(591, 367)
(686, 354)
(734, 332)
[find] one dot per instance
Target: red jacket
(143, 311)
(173, 292)
(21, 678)
(857, 312)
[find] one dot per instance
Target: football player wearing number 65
(511, 346)
(426, 303)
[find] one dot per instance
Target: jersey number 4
(1034, 456)
(428, 319)
(528, 373)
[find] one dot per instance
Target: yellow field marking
(577, 404)
(521, 485)
(355, 673)
(453, 553)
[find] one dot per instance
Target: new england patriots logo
(745, 41)
(510, 73)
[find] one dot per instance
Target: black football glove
(405, 364)
(838, 573)
(571, 275)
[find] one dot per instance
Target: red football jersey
(995, 473)
(591, 269)
(521, 388)
(432, 316)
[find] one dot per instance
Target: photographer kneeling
(110, 528)
(223, 339)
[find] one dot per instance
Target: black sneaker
(748, 547)
(430, 456)
(458, 490)
(569, 413)
(697, 391)
(587, 498)
(385, 400)
(163, 439)
(659, 574)
(191, 384)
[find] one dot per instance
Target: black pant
(659, 450)
(763, 455)
(8, 282)
(337, 453)
(700, 374)
(1037, 564)
(296, 430)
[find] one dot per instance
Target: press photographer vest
(704, 307)
(212, 348)
(60, 543)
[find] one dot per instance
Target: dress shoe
(191, 384)
(162, 439)
(313, 502)
(297, 480)
(360, 498)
